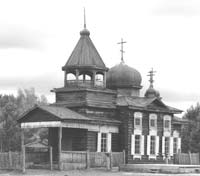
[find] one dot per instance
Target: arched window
(99, 79)
(70, 76)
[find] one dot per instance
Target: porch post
(23, 151)
(59, 148)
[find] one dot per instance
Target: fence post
(179, 156)
(190, 157)
(87, 159)
(107, 161)
(23, 159)
(111, 160)
(124, 157)
(23, 152)
(51, 158)
(10, 159)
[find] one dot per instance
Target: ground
(90, 172)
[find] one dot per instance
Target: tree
(191, 131)
(11, 108)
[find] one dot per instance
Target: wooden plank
(59, 148)
(51, 157)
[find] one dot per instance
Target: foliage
(11, 108)
(191, 131)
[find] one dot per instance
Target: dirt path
(90, 172)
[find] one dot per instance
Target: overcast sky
(38, 36)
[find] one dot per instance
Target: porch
(74, 138)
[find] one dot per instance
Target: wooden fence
(93, 159)
(37, 157)
(13, 160)
(186, 158)
(10, 160)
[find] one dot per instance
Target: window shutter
(109, 135)
(142, 145)
(171, 152)
(163, 145)
(157, 145)
(179, 144)
(133, 144)
(148, 144)
(98, 142)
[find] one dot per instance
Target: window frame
(138, 116)
(175, 145)
(153, 143)
(138, 145)
(167, 147)
(104, 138)
(153, 117)
(167, 120)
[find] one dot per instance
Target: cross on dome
(122, 50)
(151, 75)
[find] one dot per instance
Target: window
(167, 142)
(137, 144)
(175, 145)
(152, 145)
(103, 142)
(137, 121)
(167, 124)
(152, 123)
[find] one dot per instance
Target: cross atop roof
(151, 75)
(122, 51)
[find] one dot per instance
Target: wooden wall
(127, 129)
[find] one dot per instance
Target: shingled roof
(63, 114)
(85, 54)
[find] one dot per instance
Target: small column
(83, 77)
(65, 77)
(59, 148)
(94, 78)
(77, 74)
(104, 80)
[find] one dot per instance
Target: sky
(38, 36)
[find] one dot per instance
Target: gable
(38, 115)
(157, 104)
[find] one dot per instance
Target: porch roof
(48, 113)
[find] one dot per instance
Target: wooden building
(101, 110)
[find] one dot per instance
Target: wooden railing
(84, 83)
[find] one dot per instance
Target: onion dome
(123, 76)
(151, 92)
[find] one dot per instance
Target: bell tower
(84, 77)
(85, 67)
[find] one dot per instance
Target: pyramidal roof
(85, 54)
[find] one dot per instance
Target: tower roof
(85, 55)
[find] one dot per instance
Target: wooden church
(101, 110)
